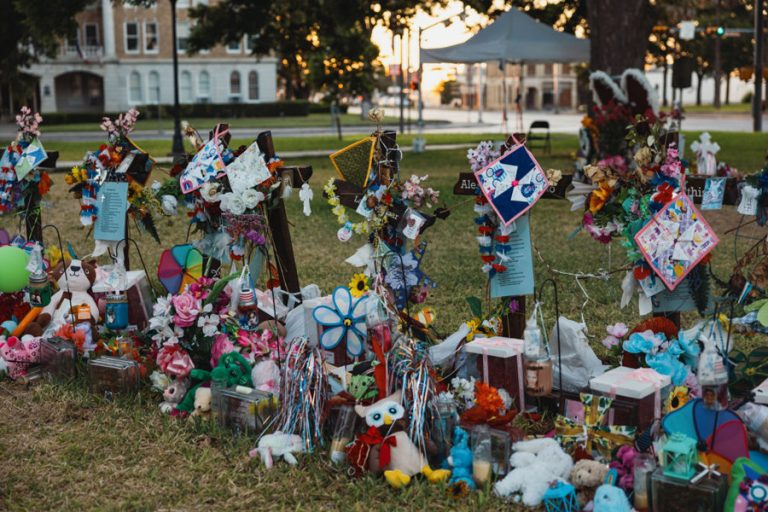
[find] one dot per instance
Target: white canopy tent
(514, 37)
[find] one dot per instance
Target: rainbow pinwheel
(343, 321)
(179, 267)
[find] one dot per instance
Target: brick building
(121, 56)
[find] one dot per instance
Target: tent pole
(556, 88)
(504, 96)
(521, 94)
(479, 93)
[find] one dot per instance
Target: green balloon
(14, 275)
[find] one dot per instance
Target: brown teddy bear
(586, 477)
(75, 283)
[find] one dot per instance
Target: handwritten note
(112, 205)
(518, 278)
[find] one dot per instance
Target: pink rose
(186, 307)
(221, 346)
(618, 330)
(174, 360)
(610, 342)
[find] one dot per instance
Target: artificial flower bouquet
(22, 182)
(120, 159)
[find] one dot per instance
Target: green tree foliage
(33, 29)
(322, 45)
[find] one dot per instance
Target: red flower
(45, 183)
(641, 272)
(664, 193)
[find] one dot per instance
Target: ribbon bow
(592, 432)
(374, 437)
(653, 377)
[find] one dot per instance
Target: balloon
(14, 275)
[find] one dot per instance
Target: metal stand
(557, 328)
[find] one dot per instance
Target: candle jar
(643, 466)
(248, 411)
(343, 431)
(109, 376)
(116, 312)
(82, 313)
(39, 290)
(443, 424)
(57, 360)
(715, 396)
(481, 455)
(538, 377)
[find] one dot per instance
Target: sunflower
(677, 398)
(358, 285)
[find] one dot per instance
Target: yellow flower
(599, 196)
(473, 325)
(554, 176)
(358, 285)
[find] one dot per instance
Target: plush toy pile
(505, 404)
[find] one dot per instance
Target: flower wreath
(362, 228)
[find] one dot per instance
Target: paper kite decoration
(353, 163)
(592, 433)
(248, 170)
(721, 433)
(179, 267)
(31, 157)
(675, 240)
(343, 321)
(512, 183)
(206, 165)
(404, 274)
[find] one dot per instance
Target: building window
(150, 37)
(250, 42)
(530, 70)
(182, 4)
(153, 81)
(182, 36)
(253, 85)
(566, 69)
(91, 34)
(234, 47)
(204, 85)
(131, 37)
(234, 83)
(548, 69)
(134, 88)
(73, 41)
(185, 87)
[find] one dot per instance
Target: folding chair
(539, 132)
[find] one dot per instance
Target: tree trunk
(618, 33)
(727, 88)
(700, 78)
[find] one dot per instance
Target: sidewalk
(166, 160)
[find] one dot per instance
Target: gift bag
(205, 166)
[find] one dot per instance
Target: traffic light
(720, 31)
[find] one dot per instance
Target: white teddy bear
(536, 464)
(278, 445)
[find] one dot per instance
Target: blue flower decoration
(345, 321)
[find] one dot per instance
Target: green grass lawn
(66, 450)
(735, 107)
(310, 121)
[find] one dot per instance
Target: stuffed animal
(266, 376)
(203, 399)
(586, 477)
(536, 463)
(19, 354)
(461, 460)
(609, 498)
(173, 395)
(233, 370)
(386, 446)
(278, 445)
(624, 464)
(74, 282)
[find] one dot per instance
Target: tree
(32, 29)
(321, 44)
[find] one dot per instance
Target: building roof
(513, 37)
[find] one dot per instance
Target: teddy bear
(460, 460)
(385, 446)
(586, 477)
(609, 498)
(203, 399)
(266, 376)
(232, 370)
(74, 282)
(278, 444)
(173, 394)
(19, 354)
(536, 463)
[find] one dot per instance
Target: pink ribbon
(485, 343)
(642, 375)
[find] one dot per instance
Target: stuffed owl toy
(386, 447)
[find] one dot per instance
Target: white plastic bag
(580, 364)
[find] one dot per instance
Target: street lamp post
(445, 22)
(178, 146)
(757, 96)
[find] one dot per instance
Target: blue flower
(345, 321)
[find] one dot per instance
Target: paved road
(461, 121)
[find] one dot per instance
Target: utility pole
(718, 62)
(178, 146)
(757, 97)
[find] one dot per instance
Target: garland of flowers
(340, 211)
